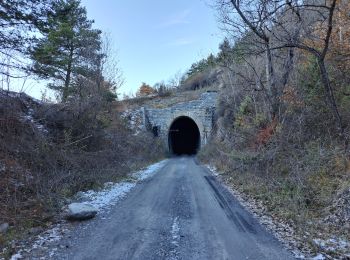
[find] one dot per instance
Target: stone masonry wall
(201, 111)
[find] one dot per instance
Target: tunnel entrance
(184, 136)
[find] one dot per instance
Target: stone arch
(193, 125)
(189, 114)
(201, 111)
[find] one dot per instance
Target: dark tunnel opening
(184, 136)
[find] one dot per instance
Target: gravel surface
(181, 212)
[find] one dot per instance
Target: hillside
(49, 152)
(262, 174)
(282, 128)
(294, 169)
(157, 101)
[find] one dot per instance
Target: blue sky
(155, 39)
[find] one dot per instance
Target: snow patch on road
(107, 197)
(115, 191)
(175, 239)
(149, 171)
(16, 256)
(319, 257)
(333, 245)
(51, 235)
(175, 229)
(213, 169)
(101, 200)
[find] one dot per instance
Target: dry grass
(85, 146)
(296, 164)
(167, 101)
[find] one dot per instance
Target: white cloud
(181, 42)
(176, 19)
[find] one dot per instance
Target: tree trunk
(330, 94)
(288, 66)
(68, 76)
(271, 83)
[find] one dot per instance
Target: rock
(80, 211)
(108, 184)
(2, 167)
(81, 197)
(4, 227)
(318, 257)
(35, 230)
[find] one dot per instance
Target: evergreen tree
(211, 61)
(202, 65)
(18, 20)
(70, 47)
(225, 52)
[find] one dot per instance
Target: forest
(282, 130)
(76, 140)
(282, 125)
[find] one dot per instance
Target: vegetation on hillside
(50, 151)
(282, 125)
(283, 122)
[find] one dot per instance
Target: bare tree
(314, 21)
(249, 22)
(111, 71)
(272, 25)
(175, 80)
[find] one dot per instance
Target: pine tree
(225, 52)
(18, 20)
(70, 47)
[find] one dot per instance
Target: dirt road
(181, 212)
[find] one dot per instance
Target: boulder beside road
(80, 211)
(4, 227)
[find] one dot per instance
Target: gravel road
(181, 212)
